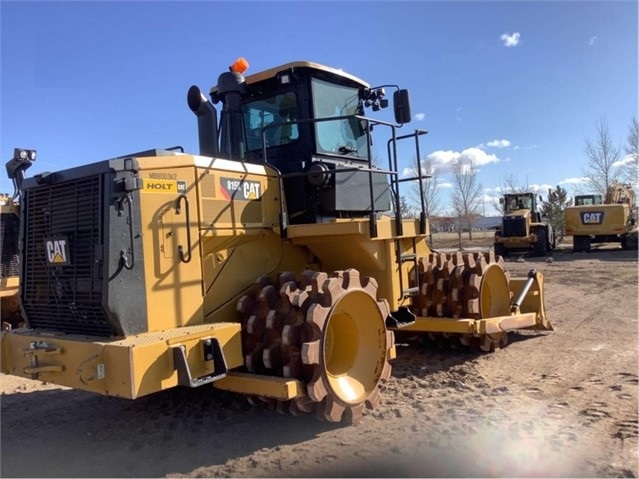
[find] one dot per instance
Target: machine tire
(539, 247)
(328, 332)
(552, 242)
(630, 242)
(464, 285)
(580, 243)
(500, 250)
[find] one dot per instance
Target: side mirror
(501, 201)
(401, 105)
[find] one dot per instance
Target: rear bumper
(131, 367)
(517, 242)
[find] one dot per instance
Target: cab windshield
(338, 137)
(259, 114)
(518, 202)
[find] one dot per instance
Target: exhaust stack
(206, 121)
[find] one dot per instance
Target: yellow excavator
(274, 263)
(611, 219)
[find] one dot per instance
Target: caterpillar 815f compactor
(523, 228)
(612, 219)
(274, 263)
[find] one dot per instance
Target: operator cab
(588, 200)
(307, 121)
(520, 201)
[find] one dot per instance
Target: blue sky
(516, 85)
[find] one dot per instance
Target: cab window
(267, 111)
(338, 137)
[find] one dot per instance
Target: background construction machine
(274, 264)
(523, 228)
(10, 311)
(612, 219)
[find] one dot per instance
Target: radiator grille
(515, 226)
(65, 298)
(9, 231)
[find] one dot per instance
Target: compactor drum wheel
(464, 285)
(327, 331)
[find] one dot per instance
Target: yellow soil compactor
(274, 263)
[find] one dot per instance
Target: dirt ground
(556, 404)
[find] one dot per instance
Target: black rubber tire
(580, 243)
(629, 242)
(539, 248)
(500, 250)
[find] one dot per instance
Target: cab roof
(272, 72)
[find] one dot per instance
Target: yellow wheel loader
(523, 229)
(274, 263)
(10, 310)
(612, 219)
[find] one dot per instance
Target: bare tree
(602, 169)
(466, 191)
(429, 189)
(458, 218)
(631, 169)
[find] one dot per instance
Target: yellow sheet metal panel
(173, 280)
(230, 272)
(596, 219)
(128, 368)
(534, 301)
(254, 384)
(344, 244)
(9, 286)
(237, 200)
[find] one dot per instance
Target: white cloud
(479, 156)
(541, 189)
(420, 116)
(592, 40)
(499, 143)
(496, 144)
(444, 185)
(510, 40)
(458, 109)
(625, 161)
(445, 158)
(406, 172)
(574, 181)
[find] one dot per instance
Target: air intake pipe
(231, 87)
(206, 121)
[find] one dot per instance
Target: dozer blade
(469, 298)
(529, 298)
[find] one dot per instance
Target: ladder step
(408, 257)
(410, 292)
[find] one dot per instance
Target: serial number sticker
(101, 371)
(164, 186)
(234, 189)
(162, 176)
